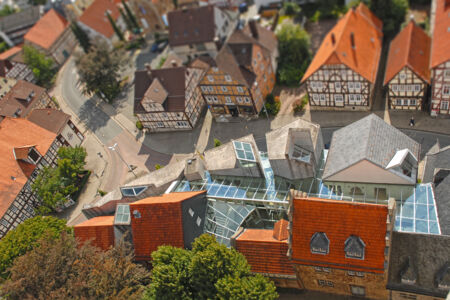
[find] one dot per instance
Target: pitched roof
(20, 20)
(172, 79)
(235, 66)
(201, 26)
(364, 57)
(369, 138)
(95, 16)
(99, 229)
(174, 197)
(410, 48)
(15, 99)
(264, 253)
(280, 230)
(51, 119)
(47, 30)
(18, 133)
(265, 38)
(425, 256)
(10, 52)
(339, 220)
(441, 34)
(441, 192)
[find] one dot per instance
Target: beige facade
(406, 91)
(398, 295)
(440, 96)
(337, 87)
(6, 84)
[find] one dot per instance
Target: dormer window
(301, 154)
(132, 191)
(354, 247)
(404, 162)
(320, 244)
(34, 155)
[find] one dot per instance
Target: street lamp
(113, 148)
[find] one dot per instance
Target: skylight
(132, 191)
(122, 214)
(244, 151)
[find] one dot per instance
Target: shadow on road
(92, 116)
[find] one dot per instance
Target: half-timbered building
(407, 73)
(242, 74)
(343, 72)
(168, 99)
(440, 59)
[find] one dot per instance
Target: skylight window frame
(241, 146)
(135, 194)
(297, 148)
(122, 210)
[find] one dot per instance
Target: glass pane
(421, 212)
(421, 226)
(408, 210)
(240, 154)
(434, 227)
(240, 194)
(249, 155)
(139, 190)
(247, 147)
(237, 145)
(407, 225)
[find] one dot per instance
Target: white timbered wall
(440, 97)
(338, 86)
(406, 90)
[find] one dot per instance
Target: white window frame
(395, 87)
(210, 78)
(240, 89)
(446, 90)
(239, 99)
(228, 78)
(228, 100)
(224, 88)
(399, 102)
(337, 85)
(412, 102)
(339, 98)
(444, 105)
(210, 89)
(315, 97)
(402, 76)
(358, 85)
(417, 87)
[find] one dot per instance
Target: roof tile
(47, 30)
(441, 35)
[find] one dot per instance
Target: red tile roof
(441, 35)
(338, 220)
(410, 48)
(99, 229)
(280, 230)
(160, 222)
(14, 174)
(15, 99)
(364, 58)
(47, 30)
(10, 52)
(95, 16)
(264, 253)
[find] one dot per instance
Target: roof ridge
(410, 34)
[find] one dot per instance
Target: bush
(315, 17)
(158, 166)
(139, 125)
(101, 192)
(55, 101)
(291, 8)
(217, 143)
(300, 105)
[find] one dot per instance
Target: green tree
(115, 27)
(25, 237)
(291, 8)
(295, 56)
(99, 70)
(127, 21)
(43, 67)
(209, 271)
(391, 12)
(131, 16)
(81, 36)
(75, 155)
(6, 11)
(58, 269)
(217, 142)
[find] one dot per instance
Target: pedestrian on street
(412, 122)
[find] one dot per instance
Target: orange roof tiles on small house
(95, 16)
(410, 48)
(440, 47)
(47, 30)
(17, 134)
(100, 230)
(10, 52)
(355, 41)
(174, 219)
(337, 221)
(263, 249)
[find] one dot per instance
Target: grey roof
(278, 140)
(369, 138)
(423, 257)
(436, 158)
(21, 21)
(441, 196)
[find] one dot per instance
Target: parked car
(159, 46)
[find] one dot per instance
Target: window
(321, 282)
(351, 86)
(446, 90)
(132, 191)
(444, 105)
(351, 273)
(215, 99)
(398, 102)
(204, 89)
(354, 98)
(358, 290)
(325, 73)
(401, 87)
(405, 102)
(240, 89)
(224, 89)
(210, 78)
(358, 85)
(239, 99)
(244, 151)
(337, 85)
(247, 100)
(301, 154)
(402, 76)
(136, 214)
(339, 98)
(395, 88)
(227, 78)
(199, 221)
(412, 102)
(322, 99)
(33, 155)
(228, 100)
(160, 124)
(417, 87)
(315, 97)
(210, 89)
(319, 243)
(191, 212)
(354, 247)
(408, 296)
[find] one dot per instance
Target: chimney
(253, 29)
(333, 39)
(352, 40)
(173, 62)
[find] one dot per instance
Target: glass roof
(244, 151)
(122, 214)
(133, 191)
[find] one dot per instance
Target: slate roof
(368, 36)
(410, 48)
(53, 120)
(428, 255)
(95, 16)
(369, 138)
(16, 99)
(23, 19)
(201, 27)
(338, 220)
(266, 37)
(441, 197)
(14, 133)
(173, 81)
(437, 159)
(440, 44)
(47, 30)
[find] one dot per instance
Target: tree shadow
(92, 116)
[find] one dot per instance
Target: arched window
(354, 247)
(320, 244)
